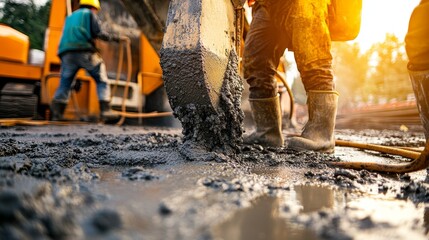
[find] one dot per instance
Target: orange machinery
(26, 89)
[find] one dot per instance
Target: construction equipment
(32, 85)
(26, 89)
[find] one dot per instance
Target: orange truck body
(14, 68)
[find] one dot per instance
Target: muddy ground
(108, 182)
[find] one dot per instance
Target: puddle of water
(311, 198)
(283, 174)
(272, 217)
(264, 220)
(130, 194)
(261, 221)
(268, 217)
(139, 200)
(125, 195)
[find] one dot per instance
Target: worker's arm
(97, 32)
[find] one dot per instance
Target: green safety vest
(77, 32)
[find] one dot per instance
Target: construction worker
(77, 50)
(299, 26)
(417, 48)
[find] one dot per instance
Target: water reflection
(314, 198)
(261, 221)
(266, 219)
(273, 217)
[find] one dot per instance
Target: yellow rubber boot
(267, 116)
(318, 133)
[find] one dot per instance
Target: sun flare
(380, 17)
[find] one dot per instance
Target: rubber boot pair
(57, 110)
(318, 133)
(266, 114)
(107, 115)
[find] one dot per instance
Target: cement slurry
(95, 181)
(208, 126)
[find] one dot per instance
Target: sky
(40, 2)
(384, 16)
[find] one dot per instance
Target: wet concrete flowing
(201, 77)
(107, 182)
(216, 128)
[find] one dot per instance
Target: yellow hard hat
(93, 3)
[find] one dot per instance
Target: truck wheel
(18, 100)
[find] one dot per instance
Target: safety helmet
(92, 3)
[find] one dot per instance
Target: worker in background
(300, 26)
(77, 50)
(417, 48)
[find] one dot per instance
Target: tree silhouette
(28, 18)
(378, 75)
(350, 71)
(389, 75)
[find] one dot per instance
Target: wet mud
(107, 182)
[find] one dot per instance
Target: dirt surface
(107, 182)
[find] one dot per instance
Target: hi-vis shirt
(80, 30)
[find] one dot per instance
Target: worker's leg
(311, 44)
(97, 69)
(417, 47)
(95, 66)
(420, 82)
(416, 44)
(261, 58)
(62, 94)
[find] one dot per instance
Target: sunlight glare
(380, 17)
